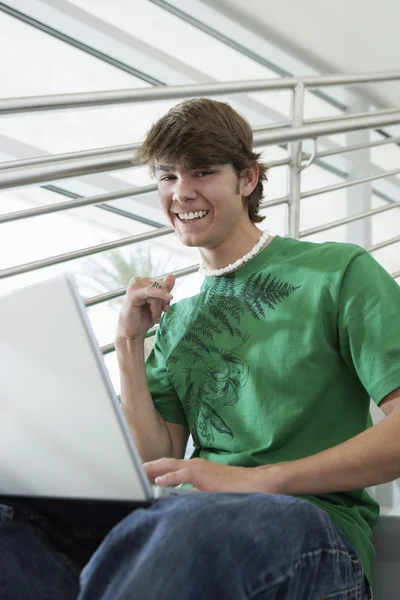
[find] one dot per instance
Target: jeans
(199, 546)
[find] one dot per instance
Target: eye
(167, 178)
(204, 173)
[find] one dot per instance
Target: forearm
(147, 426)
(370, 458)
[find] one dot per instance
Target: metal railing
(44, 169)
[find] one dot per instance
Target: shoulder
(323, 263)
(342, 253)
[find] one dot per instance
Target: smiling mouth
(192, 216)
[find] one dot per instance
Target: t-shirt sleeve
(164, 395)
(369, 325)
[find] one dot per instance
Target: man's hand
(207, 476)
(143, 306)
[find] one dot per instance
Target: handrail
(102, 152)
(60, 206)
(63, 169)
(119, 160)
(133, 239)
(48, 168)
(103, 98)
(340, 186)
(375, 247)
(60, 258)
(113, 294)
(68, 204)
(91, 153)
(131, 148)
(346, 220)
(315, 130)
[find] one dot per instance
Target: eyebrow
(165, 168)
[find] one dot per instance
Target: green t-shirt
(278, 361)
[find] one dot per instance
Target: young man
(270, 369)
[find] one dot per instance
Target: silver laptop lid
(63, 433)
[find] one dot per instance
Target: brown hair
(203, 132)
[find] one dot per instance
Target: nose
(184, 190)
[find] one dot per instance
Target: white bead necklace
(239, 262)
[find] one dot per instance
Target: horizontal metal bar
(108, 348)
(275, 202)
(344, 221)
(49, 159)
(81, 100)
(44, 160)
(341, 150)
(384, 244)
(100, 152)
(384, 111)
(37, 174)
(315, 130)
(107, 296)
(278, 125)
(350, 183)
(396, 274)
(60, 258)
(334, 151)
(77, 167)
(29, 104)
(69, 204)
(91, 153)
(283, 162)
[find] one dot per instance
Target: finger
(173, 478)
(155, 307)
(166, 307)
(162, 466)
(148, 292)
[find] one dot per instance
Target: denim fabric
(197, 546)
(225, 546)
(30, 566)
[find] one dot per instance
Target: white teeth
(192, 215)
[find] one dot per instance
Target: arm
(153, 436)
(141, 310)
(370, 458)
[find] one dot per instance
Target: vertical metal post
(359, 196)
(295, 163)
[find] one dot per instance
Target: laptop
(63, 433)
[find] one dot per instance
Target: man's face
(203, 205)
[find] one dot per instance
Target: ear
(248, 180)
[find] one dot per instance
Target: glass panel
(43, 64)
(172, 36)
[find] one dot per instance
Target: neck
(231, 249)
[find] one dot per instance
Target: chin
(190, 241)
